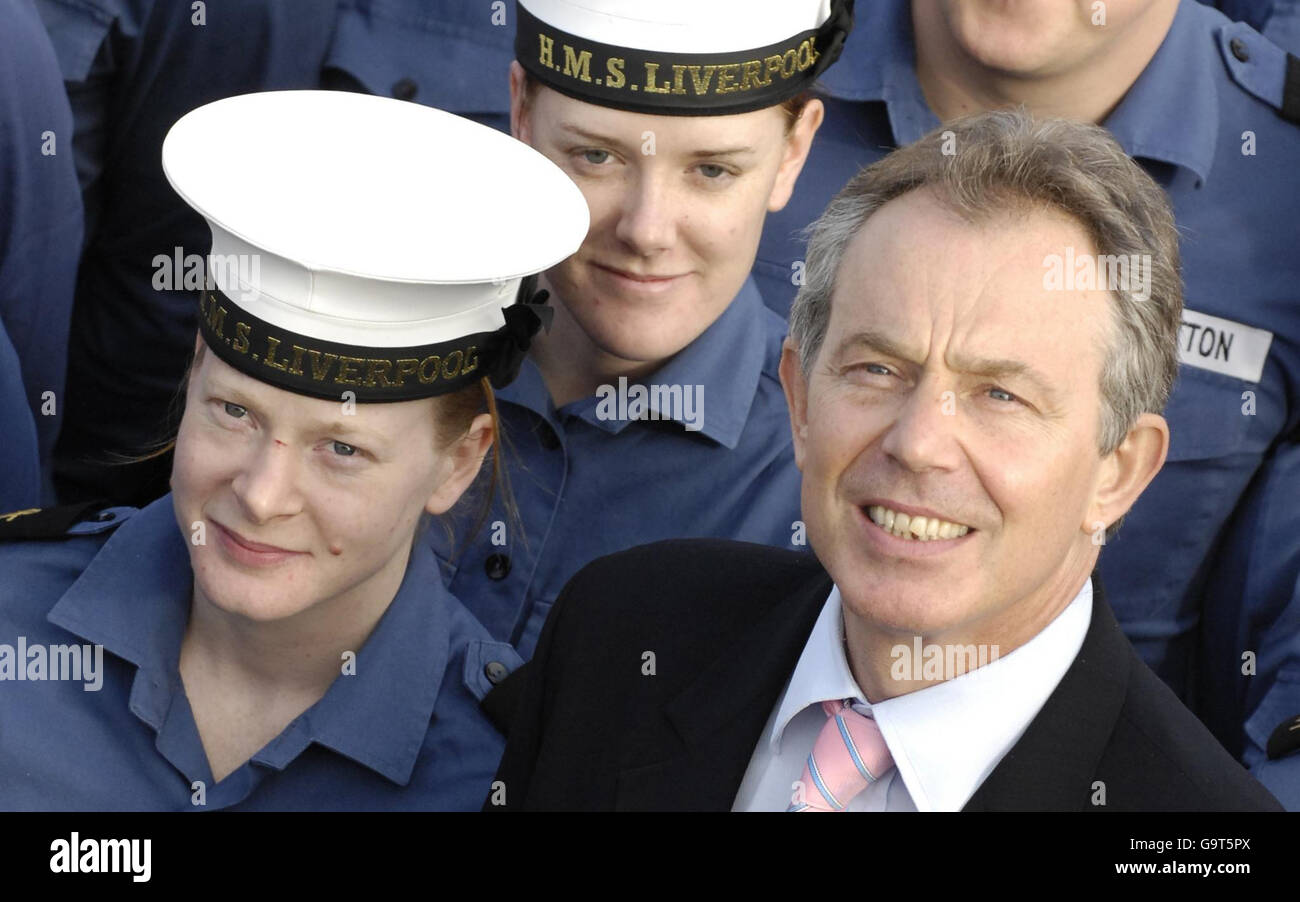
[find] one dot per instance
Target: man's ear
(1128, 470)
(518, 121)
(796, 397)
(461, 463)
(797, 144)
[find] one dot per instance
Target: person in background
(1202, 103)
(132, 68)
(40, 240)
(273, 634)
(652, 408)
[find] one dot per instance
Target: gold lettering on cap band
(299, 363)
(677, 82)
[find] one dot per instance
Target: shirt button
(1239, 49)
(497, 566)
(405, 89)
(546, 435)
(496, 672)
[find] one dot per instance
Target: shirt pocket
(487, 663)
(1210, 416)
(445, 53)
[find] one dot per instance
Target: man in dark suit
(976, 368)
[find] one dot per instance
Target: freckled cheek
(200, 468)
(349, 531)
(606, 207)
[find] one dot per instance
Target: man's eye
(235, 410)
(877, 369)
(712, 170)
(595, 157)
(1000, 395)
(344, 450)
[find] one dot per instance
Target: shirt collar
(380, 715)
(727, 359)
(947, 738)
(1170, 114)
(879, 64)
(134, 599)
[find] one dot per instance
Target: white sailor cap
(681, 57)
(369, 245)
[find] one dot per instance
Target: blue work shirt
(1184, 121)
(134, 67)
(40, 242)
(588, 486)
(1251, 643)
(402, 732)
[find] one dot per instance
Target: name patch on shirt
(1222, 346)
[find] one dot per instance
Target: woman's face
(677, 208)
(288, 501)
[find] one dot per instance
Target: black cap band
(326, 369)
(683, 84)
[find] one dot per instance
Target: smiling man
(968, 430)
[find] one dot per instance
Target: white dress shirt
(945, 739)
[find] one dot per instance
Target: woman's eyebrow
(725, 152)
(594, 137)
(342, 427)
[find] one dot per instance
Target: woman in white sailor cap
(652, 409)
(273, 634)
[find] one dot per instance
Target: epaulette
(66, 521)
(1262, 69)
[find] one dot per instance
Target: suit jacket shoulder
(653, 657)
(1164, 759)
(1114, 737)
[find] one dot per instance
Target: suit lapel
(720, 715)
(1053, 765)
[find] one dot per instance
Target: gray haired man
(970, 416)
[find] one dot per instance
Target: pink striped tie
(848, 756)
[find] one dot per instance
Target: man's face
(338, 495)
(1038, 38)
(677, 207)
(952, 385)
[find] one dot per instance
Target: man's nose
(923, 435)
(647, 221)
(267, 484)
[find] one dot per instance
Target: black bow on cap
(528, 315)
(836, 28)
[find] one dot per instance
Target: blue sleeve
(1252, 623)
(20, 466)
(40, 221)
(93, 41)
